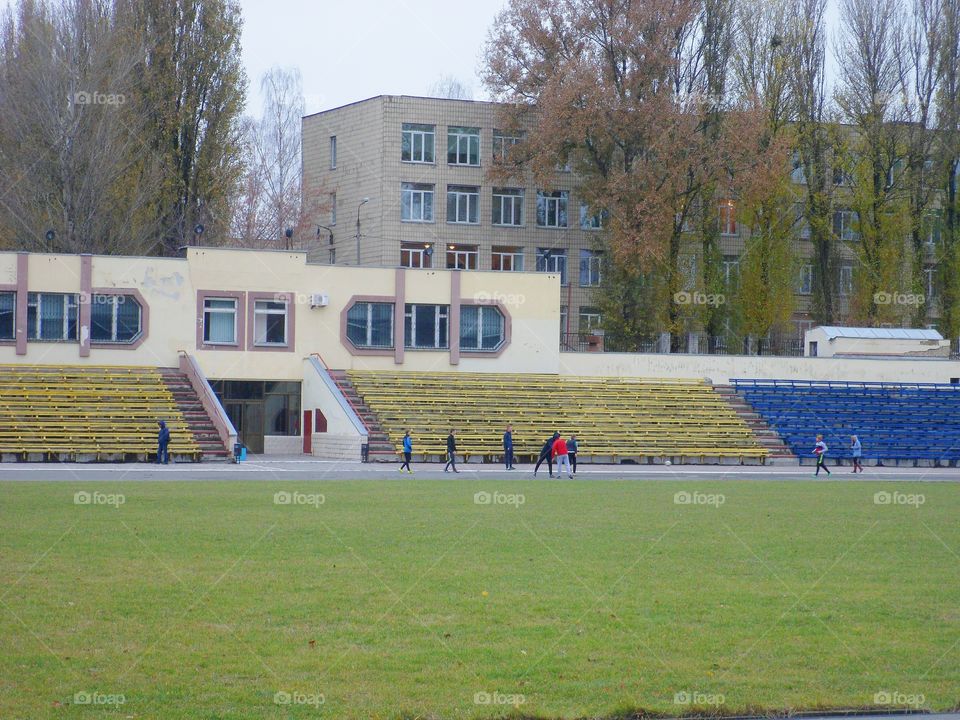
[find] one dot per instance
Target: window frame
(12, 292)
(458, 251)
(416, 130)
(482, 310)
(591, 222)
(847, 217)
(457, 134)
(441, 313)
(805, 280)
(470, 196)
(516, 197)
(591, 264)
(559, 201)
(333, 152)
(423, 190)
(114, 318)
(501, 252)
(285, 312)
(546, 256)
(589, 313)
(368, 328)
(422, 250)
(71, 303)
(505, 141)
(727, 218)
(237, 303)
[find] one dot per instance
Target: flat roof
(833, 331)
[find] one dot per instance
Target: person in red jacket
(562, 456)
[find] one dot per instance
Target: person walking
(407, 452)
(856, 450)
(821, 452)
(163, 442)
(451, 452)
(508, 447)
(546, 453)
(572, 448)
(562, 456)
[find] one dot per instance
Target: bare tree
(451, 88)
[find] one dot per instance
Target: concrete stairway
(381, 449)
(199, 422)
(780, 454)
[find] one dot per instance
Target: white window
(333, 208)
(508, 206)
(417, 143)
(333, 152)
(552, 208)
(895, 171)
(270, 322)
(806, 280)
(731, 271)
(590, 320)
(416, 202)
(114, 318)
(220, 321)
(845, 225)
(798, 175)
(507, 259)
(370, 325)
(463, 146)
(728, 217)
(590, 262)
(51, 316)
(551, 260)
(846, 280)
(463, 204)
(462, 257)
(591, 222)
(481, 328)
(426, 326)
(416, 255)
(8, 312)
(502, 144)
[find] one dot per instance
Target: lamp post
(362, 203)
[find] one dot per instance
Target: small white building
(830, 341)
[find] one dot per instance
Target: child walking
(821, 452)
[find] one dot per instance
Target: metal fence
(696, 343)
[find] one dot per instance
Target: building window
(370, 325)
(552, 208)
(463, 146)
(844, 225)
(463, 204)
(507, 259)
(333, 256)
(417, 143)
(333, 208)
(426, 326)
(481, 328)
(731, 271)
(333, 152)
(934, 224)
(929, 275)
(805, 286)
(270, 322)
(728, 217)
(841, 177)
(51, 316)
(8, 314)
(798, 175)
(846, 280)
(589, 320)
(220, 321)
(462, 257)
(115, 319)
(801, 221)
(416, 202)
(502, 145)
(508, 206)
(596, 221)
(551, 260)
(590, 271)
(416, 255)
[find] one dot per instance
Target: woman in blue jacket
(407, 452)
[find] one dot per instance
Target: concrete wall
(829, 347)
(336, 447)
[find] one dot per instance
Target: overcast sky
(348, 50)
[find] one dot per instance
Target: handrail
(209, 400)
(348, 407)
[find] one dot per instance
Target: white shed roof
(887, 333)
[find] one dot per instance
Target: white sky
(348, 50)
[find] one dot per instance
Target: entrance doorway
(258, 408)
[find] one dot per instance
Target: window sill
(460, 222)
(271, 345)
(553, 227)
(503, 225)
(418, 222)
(470, 165)
(417, 162)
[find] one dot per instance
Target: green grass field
(409, 599)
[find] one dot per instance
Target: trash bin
(365, 453)
(239, 452)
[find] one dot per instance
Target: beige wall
(828, 347)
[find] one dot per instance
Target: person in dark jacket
(546, 453)
(407, 452)
(508, 447)
(451, 452)
(163, 441)
(572, 452)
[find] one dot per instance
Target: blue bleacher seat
(894, 421)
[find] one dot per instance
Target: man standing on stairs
(451, 452)
(407, 452)
(163, 440)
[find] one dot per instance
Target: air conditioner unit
(319, 300)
